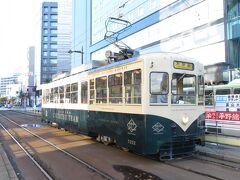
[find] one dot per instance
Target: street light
(81, 52)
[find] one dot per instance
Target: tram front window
(183, 88)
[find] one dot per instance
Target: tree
(3, 100)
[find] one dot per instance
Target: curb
(221, 157)
(7, 169)
(226, 156)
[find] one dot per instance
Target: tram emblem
(132, 126)
(158, 128)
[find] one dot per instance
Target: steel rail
(103, 174)
(29, 155)
(217, 161)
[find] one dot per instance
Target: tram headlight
(185, 119)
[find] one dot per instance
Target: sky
(20, 28)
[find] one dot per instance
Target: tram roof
(115, 64)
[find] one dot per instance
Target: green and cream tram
(151, 104)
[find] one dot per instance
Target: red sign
(230, 116)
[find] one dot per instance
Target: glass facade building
(194, 28)
(56, 38)
(49, 40)
(233, 32)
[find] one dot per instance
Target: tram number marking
(132, 142)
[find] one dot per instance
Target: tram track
(193, 171)
(41, 168)
(218, 161)
(82, 162)
(204, 161)
(196, 159)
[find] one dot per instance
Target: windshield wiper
(181, 77)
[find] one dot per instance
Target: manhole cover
(31, 125)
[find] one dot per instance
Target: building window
(44, 61)
(54, 9)
(53, 17)
(115, 88)
(53, 38)
(53, 53)
(153, 4)
(46, 17)
(141, 11)
(84, 92)
(45, 46)
(53, 31)
(132, 82)
(45, 38)
(45, 10)
(101, 90)
(45, 53)
(53, 46)
(53, 24)
(53, 61)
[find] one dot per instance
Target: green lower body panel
(145, 134)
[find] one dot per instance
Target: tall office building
(64, 35)
(207, 30)
(49, 41)
(56, 39)
(31, 66)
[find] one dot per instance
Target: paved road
(109, 159)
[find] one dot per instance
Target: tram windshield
(183, 88)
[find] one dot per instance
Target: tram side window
(159, 83)
(222, 91)
(47, 96)
(115, 88)
(61, 94)
(101, 90)
(209, 97)
(74, 93)
(84, 92)
(92, 92)
(200, 90)
(183, 88)
(67, 93)
(51, 95)
(55, 95)
(132, 82)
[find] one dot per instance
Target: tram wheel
(125, 149)
(106, 140)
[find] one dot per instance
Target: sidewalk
(220, 151)
(6, 170)
(29, 110)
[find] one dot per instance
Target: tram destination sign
(183, 65)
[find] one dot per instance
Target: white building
(5, 81)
